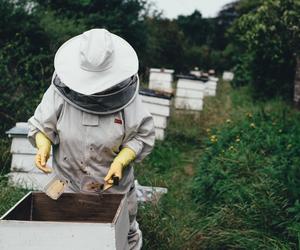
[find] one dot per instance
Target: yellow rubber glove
(44, 146)
(122, 160)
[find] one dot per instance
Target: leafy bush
(269, 40)
(248, 183)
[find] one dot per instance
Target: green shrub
(248, 182)
(268, 40)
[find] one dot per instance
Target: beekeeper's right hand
(44, 146)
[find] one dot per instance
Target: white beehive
(23, 172)
(160, 108)
(228, 76)
(74, 221)
(161, 80)
(196, 73)
(211, 86)
(189, 94)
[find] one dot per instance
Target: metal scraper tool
(91, 185)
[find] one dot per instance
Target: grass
(9, 195)
(232, 174)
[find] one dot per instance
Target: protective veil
(107, 102)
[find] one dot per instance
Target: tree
(268, 40)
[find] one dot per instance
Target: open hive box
(74, 221)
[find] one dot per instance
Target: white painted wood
(195, 73)
(189, 104)
(157, 109)
(19, 235)
(36, 235)
(228, 76)
(161, 80)
(22, 125)
(32, 180)
(156, 100)
(159, 133)
(210, 92)
(21, 145)
(214, 79)
(211, 85)
(160, 121)
(190, 84)
(65, 235)
(160, 76)
(25, 163)
(210, 89)
(189, 93)
(170, 71)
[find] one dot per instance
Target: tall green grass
(8, 195)
(233, 177)
(247, 185)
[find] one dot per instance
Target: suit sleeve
(139, 129)
(46, 116)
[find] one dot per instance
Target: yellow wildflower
(213, 138)
(249, 115)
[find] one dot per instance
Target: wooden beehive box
(161, 80)
(228, 76)
(159, 105)
(211, 86)
(75, 221)
(189, 94)
(23, 172)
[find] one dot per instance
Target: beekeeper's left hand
(122, 160)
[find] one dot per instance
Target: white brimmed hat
(95, 61)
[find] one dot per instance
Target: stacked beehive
(159, 106)
(23, 172)
(228, 76)
(161, 80)
(157, 98)
(189, 94)
(211, 86)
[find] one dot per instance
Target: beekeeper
(93, 117)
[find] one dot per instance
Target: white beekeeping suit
(87, 130)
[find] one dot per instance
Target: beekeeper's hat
(95, 61)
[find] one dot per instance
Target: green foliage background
(268, 43)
